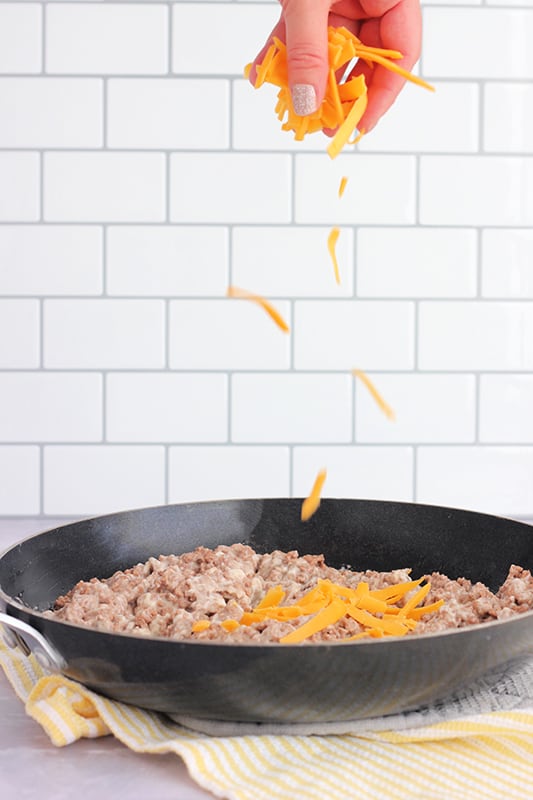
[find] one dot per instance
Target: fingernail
(303, 99)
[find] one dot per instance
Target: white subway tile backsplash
(44, 260)
(227, 334)
(475, 336)
(421, 122)
(104, 187)
(291, 408)
(292, 261)
(19, 187)
(19, 480)
(20, 37)
(380, 189)
(501, 51)
(213, 473)
(51, 112)
(149, 113)
(508, 118)
(90, 480)
(50, 407)
(167, 260)
(141, 175)
(19, 333)
(506, 402)
(162, 407)
(231, 187)
(112, 38)
(416, 262)
(495, 480)
(377, 473)
(231, 36)
(104, 334)
(507, 263)
(428, 408)
(344, 334)
(476, 190)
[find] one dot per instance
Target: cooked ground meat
(167, 595)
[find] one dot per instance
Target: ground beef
(166, 595)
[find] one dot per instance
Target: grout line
(275, 153)
(237, 76)
(369, 299)
(325, 372)
(282, 225)
(282, 443)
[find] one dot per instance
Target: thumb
(306, 31)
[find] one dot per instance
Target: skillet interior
(276, 683)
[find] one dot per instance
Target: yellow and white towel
(483, 756)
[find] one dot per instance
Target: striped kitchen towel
(458, 756)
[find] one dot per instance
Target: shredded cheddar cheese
(387, 410)
(200, 625)
(311, 503)
(332, 244)
(235, 292)
(376, 611)
(344, 103)
(342, 185)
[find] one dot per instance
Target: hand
(392, 24)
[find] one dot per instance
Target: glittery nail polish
(303, 99)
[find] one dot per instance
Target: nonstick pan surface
(275, 683)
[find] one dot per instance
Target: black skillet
(276, 683)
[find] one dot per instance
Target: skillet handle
(19, 634)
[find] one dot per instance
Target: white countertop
(32, 767)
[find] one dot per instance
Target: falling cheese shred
(332, 245)
(311, 503)
(344, 103)
(243, 294)
(387, 410)
(342, 185)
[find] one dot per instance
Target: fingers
(306, 31)
(279, 31)
(399, 29)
